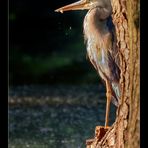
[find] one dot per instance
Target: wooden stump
(99, 134)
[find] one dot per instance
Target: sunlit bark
(125, 132)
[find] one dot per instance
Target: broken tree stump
(100, 131)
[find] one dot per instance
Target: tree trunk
(125, 132)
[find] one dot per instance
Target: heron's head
(81, 5)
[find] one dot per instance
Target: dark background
(46, 47)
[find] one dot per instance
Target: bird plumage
(102, 50)
(100, 38)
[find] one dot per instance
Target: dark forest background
(46, 47)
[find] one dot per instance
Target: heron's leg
(108, 95)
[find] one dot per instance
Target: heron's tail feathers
(115, 94)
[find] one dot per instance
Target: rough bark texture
(125, 132)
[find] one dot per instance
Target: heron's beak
(80, 5)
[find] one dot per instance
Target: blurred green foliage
(47, 47)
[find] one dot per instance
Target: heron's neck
(93, 25)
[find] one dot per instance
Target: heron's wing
(112, 57)
(114, 71)
(112, 40)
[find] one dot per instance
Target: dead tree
(125, 132)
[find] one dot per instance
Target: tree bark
(125, 132)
